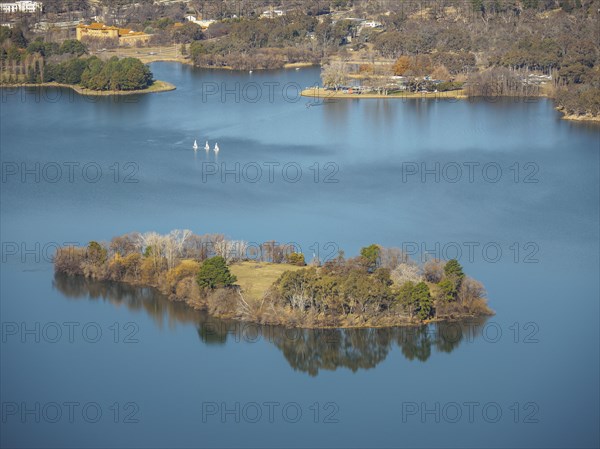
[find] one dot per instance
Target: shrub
(132, 263)
(116, 268)
(296, 259)
(69, 260)
(449, 85)
(187, 268)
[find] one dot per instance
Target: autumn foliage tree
(401, 65)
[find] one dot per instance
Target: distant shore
(157, 86)
(172, 54)
(323, 94)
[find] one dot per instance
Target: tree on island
(371, 254)
(448, 289)
(417, 299)
(335, 74)
(116, 74)
(214, 273)
(454, 268)
(453, 277)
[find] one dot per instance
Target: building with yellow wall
(124, 36)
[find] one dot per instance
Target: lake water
(506, 186)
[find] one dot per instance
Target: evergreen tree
(454, 269)
(214, 273)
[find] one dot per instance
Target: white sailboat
(207, 146)
(195, 145)
(216, 148)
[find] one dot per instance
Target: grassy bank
(255, 278)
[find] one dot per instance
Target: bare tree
(407, 272)
(335, 74)
(434, 270)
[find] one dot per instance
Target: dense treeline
(115, 74)
(380, 287)
(257, 43)
(39, 62)
(24, 61)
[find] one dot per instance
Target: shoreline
(352, 321)
(249, 300)
(170, 54)
(157, 86)
(286, 66)
(578, 118)
(322, 93)
(316, 93)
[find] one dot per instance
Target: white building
(203, 23)
(27, 6)
(371, 24)
(272, 13)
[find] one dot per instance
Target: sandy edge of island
(157, 86)
(322, 93)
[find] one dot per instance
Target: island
(272, 284)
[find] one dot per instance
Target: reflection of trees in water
(133, 297)
(307, 350)
(312, 350)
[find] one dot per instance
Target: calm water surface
(527, 207)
